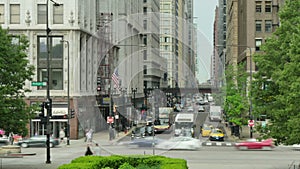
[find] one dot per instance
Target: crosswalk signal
(42, 113)
(42, 110)
(72, 114)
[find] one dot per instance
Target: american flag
(115, 78)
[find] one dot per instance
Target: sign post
(250, 123)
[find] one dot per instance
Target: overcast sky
(204, 13)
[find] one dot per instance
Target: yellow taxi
(206, 130)
(216, 135)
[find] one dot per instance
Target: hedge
(126, 162)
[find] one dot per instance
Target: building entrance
(55, 125)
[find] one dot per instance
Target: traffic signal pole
(49, 109)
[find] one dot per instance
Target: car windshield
(217, 132)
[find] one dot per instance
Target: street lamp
(250, 81)
(49, 101)
(134, 106)
(68, 62)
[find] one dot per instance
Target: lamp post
(49, 100)
(68, 86)
(250, 81)
(134, 106)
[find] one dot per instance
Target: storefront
(58, 121)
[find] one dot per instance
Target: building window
(258, 43)
(258, 25)
(268, 26)
(145, 10)
(167, 39)
(145, 40)
(56, 62)
(41, 14)
(258, 6)
(145, 54)
(145, 1)
(145, 69)
(1, 13)
(166, 47)
(166, 6)
(15, 14)
(145, 24)
(58, 14)
(268, 6)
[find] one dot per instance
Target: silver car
(38, 141)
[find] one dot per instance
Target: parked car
(38, 141)
(216, 135)
(255, 144)
(184, 143)
(4, 141)
(206, 130)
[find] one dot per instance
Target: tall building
(177, 45)
(249, 24)
(239, 30)
(130, 37)
(72, 27)
(219, 33)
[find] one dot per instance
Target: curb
(224, 144)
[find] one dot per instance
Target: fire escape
(105, 61)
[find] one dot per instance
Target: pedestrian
(88, 151)
(11, 138)
(62, 135)
(86, 132)
(97, 149)
(88, 137)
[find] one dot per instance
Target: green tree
(276, 88)
(236, 104)
(14, 71)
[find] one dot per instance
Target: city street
(207, 157)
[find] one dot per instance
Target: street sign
(110, 119)
(251, 123)
(38, 83)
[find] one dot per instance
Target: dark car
(138, 132)
(149, 131)
(38, 141)
(144, 142)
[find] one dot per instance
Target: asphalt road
(206, 157)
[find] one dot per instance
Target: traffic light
(42, 110)
(98, 88)
(48, 106)
(72, 114)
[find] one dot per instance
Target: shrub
(126, 162)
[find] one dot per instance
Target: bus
(185, 125)
(165, 120)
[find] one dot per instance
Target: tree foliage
(14, 71)
(276, 88)
(236, 102)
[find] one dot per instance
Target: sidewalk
(244, 135)
(102, 137)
